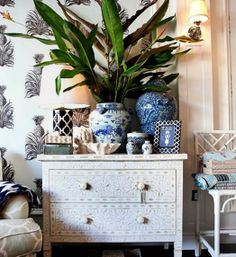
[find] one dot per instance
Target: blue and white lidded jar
(147, 147)
(138, 139)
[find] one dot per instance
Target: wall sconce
(198, 14)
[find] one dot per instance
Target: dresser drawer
(112, 186)
(95, 222)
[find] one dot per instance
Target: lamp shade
(77, 97)
(198, 11)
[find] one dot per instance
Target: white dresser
(112, 198)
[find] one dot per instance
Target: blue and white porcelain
(152, 107)
(138, 139)
(132, 148)
(147, 147)
(110, 123)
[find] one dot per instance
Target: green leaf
(92, 36)
(131, 19)
(164, 21)
(73, 60)
(84, 82)
(158, 60)
(22, 35)
(133, 68)
(164, 39)
(60, 41)
(80, 43)
(144, 56)
(159, 88)
(47, 63)
(50, 17)
(158, 50)
(58, 84)
(150, 25)
(114, 28)
(79, 21)
(71, 73)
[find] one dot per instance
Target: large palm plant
(121, 73)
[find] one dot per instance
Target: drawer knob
(84, 220)
(141, 219)
(84, 185)
(141, 186)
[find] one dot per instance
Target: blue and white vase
(131, 148)
(152, 107)
(110, 123)
(147, 147)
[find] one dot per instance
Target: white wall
(204, 91)
(232, 40)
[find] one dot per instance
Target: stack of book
(55, 144)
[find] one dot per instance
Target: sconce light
(198, 14)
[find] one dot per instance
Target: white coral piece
(102, 148)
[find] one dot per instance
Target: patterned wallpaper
(23, 123)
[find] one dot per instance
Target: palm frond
(33, 146)
(6, 116)
(2, 152)
(32, 84)
(81, 117)
(8, 172)
(78, 2)
(9, 3)
(7, 54)
(38, 58)
(137, 14)
(35, 25)
(38, 119)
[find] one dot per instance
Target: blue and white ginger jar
(152, 107)
(110, 123)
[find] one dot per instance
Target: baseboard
(188, 241)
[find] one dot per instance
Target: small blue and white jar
(138, 138)
(131, 148)
(147, 147)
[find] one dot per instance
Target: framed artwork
(167, 137)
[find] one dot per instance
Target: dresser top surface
(112, 157)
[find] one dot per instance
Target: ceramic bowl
(102, 148)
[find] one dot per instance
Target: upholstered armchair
(19, 234)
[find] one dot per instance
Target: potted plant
(126, 70)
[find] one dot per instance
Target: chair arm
(17, 207)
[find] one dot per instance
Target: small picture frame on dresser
(167, 137)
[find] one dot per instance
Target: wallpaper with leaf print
(23, 121)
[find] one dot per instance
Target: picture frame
(167, 137)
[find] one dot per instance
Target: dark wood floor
(96, 251)
(146, 250)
